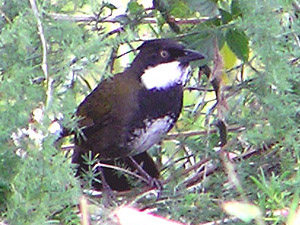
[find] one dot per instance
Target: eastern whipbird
(127, 114)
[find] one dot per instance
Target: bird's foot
(108, 194)
(155, 183)
(152, 182)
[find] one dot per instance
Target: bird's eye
(164, 54)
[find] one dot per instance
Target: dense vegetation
(234, 154)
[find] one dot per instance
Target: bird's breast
(141, 139)
(158, 110)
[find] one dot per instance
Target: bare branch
(117, 168)
(73, 18)
(42, 37)
(202, 132)
(90, 18)
(49, 80)
(5, 16)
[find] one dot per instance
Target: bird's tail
(118, 180)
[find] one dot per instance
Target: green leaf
(235, 8)
(110, 6)
(134, 7)
(204, 41)
(229, 58)
(225, 16)
(238, 43)
(180, 9)
(205, 7)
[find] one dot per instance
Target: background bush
(52, 53)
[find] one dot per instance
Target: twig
(5, 16)
(118, 30)
(202, 132)
(73, 18)
(42, 37)
(200, 105)
(49, 92)
(173, 136)
(49, 80)
(85, 217)
(117, 168)
(296, 6)
(202, 173)
(91, 18)
(197, 89)
(223, 130)
(199, 176)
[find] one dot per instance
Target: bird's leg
(108, 193)
(153, 182)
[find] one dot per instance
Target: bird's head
(163, 63)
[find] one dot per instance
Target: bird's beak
(190, 55)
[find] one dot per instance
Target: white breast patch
(152, 134)
(165, 75)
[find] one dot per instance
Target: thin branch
(200, 105)
(73, 18)
(42, 37)
(91, 18)
(296, 6)
(118, 30)
(202, 132)
(49, 92)
(198, 89)
(50, 81)
(117, 168)
(194, 180)
(201, 175)
(85, 216)
(95, 18)
(5, 16)
(184, 134)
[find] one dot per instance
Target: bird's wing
(106, 114)
(96, 106)
(116, 96)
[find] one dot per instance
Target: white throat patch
(165, 75)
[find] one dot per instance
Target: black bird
(127, 114)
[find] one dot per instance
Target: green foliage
(45, 189)
(205, 7)
(134, 7)
(260, 105)
(238, 42)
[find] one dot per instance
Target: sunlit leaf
(241, 210)
(229, 58)
(229, 61)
